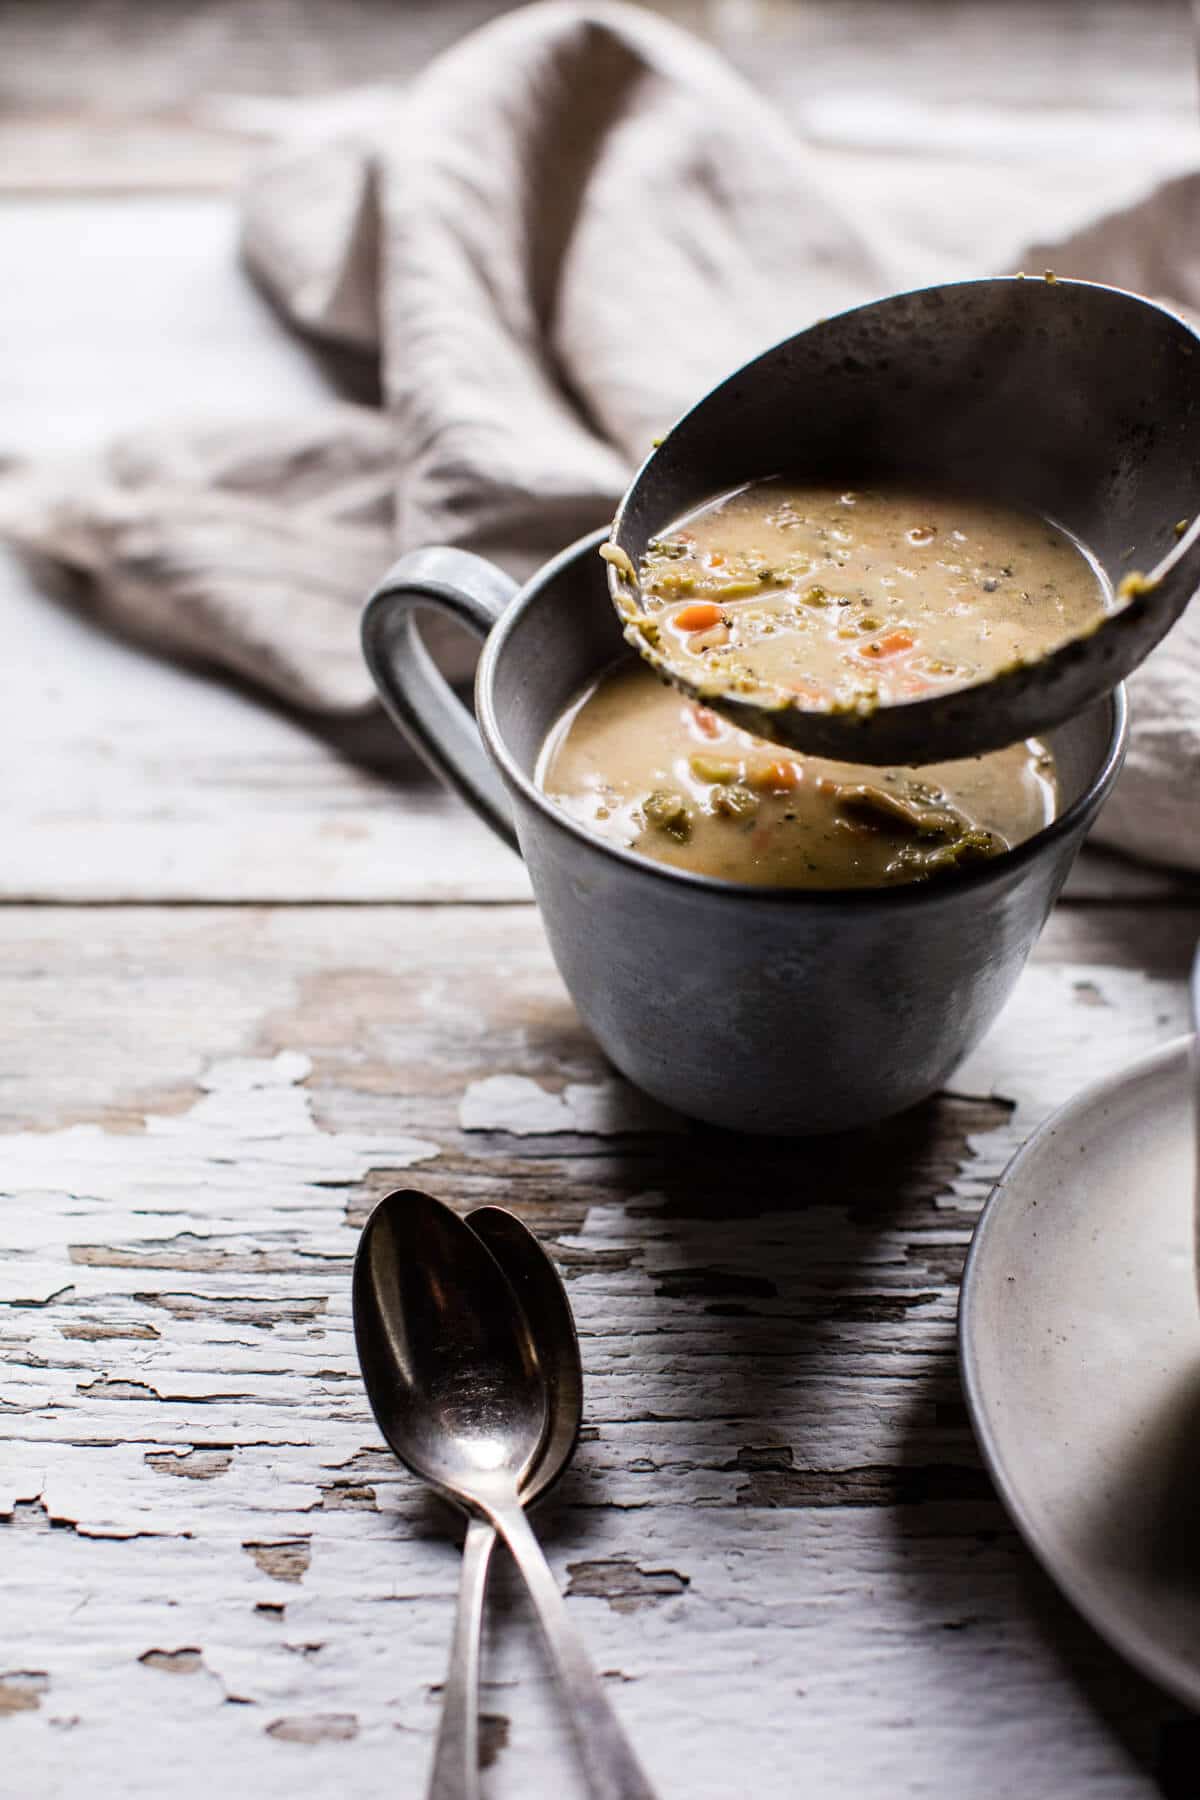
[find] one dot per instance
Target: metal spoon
(534, 1279)
(452, 1373)
(1079, 402)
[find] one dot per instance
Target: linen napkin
(564, 231)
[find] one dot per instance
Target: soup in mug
(653, 772)
(845, 600)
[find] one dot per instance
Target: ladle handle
(611, 1770)
(455, 1772)
(413, 689)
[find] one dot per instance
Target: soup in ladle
(846, 601)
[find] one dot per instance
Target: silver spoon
(534, 1279)
(452, 1373)
(1079, 402)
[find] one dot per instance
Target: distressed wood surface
(777, 1537)
(130, 778)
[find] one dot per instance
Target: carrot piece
(777, 777)
(716, 560)
(706, 721)
(812, 691)
(698, 616)
(892, 643)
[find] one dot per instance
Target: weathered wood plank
(124, 777)
(1161, 945)
(146, 57)
(1101, 875)
(129, 312)
(777, 1535)
(1064, 112)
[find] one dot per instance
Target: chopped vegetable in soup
(848, 601)
(649, 770)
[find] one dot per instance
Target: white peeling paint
(246, 1152)
(524, 1108)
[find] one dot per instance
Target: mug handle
(413, 689)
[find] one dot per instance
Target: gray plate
(1079, 1341)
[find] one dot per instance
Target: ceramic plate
(1079, 1338)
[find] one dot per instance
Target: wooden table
(251, 979)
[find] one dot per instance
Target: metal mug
(762, 1009)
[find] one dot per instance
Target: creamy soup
(645, 768)
(851, 600)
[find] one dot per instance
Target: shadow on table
(745, 1273)
(804, 1264)
(820, 1272)
(789, 1309)
(750, 1273)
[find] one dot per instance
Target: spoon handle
(455, 1772)
(611, 1770)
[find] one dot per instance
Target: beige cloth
(562, 233)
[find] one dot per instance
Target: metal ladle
(452, 1373)
(1075, 401)
(535, 1281)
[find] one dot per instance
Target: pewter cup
(761, 1009)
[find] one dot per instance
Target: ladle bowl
(1076, 401)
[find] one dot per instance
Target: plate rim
(1108, 1619)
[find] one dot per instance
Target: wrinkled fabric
(559, 236)
(1153, 812)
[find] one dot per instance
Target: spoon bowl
(1072, 400)
(536, 1284)
(447, 1357)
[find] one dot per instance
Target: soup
(651, 771)
(844, 600)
